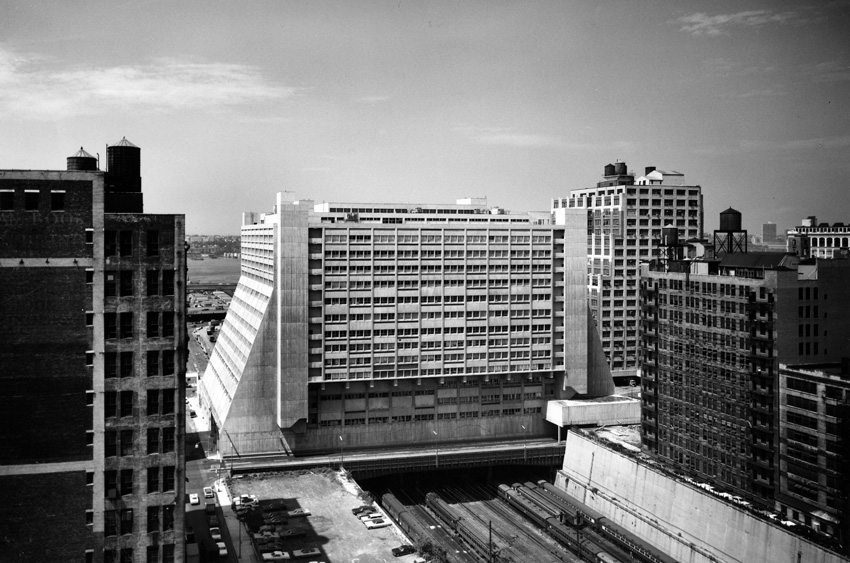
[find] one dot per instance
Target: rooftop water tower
(730, 238)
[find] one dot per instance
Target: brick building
(714, 331)
(93, 357)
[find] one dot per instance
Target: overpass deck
(376, 462)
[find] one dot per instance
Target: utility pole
(341, 453)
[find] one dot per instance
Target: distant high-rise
(625, 217)
(768, 232)
(93, 363)
(713, 334)
(391, 324)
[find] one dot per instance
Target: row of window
(121, 325)
(439, 269)
(416, 284)
(120, 364)
(119, 443)
(120, 283)
(125, 555)
(331, 237)
(120, 403)
(120, 243)
(32, 200)
(359, 421)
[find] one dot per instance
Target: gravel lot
(331, 527)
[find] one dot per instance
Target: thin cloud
(761, 93)
(791, 145)
(372, 99)
(703, 24)
(831, 71)
(29, 88)
(507, 137)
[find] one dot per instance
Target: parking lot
(331, 528)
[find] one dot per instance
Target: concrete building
(357, 325)
(713, 334)
(91, 413)
(819, 240)
(814, 446)
(625, 215)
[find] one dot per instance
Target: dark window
(153, 282)
(127, 552)
(126, 281)
(168, 440)
(168, 513)
(168, 553)
(168, 480)
(110, 325)
(110, 243)
(110, 364)
(168, 362)
(110, 480)
(89, 319)
(125, 243)
(110, 528)
(89, 276)
(111, 443)
(89, 236)
(153, 479)
(168, 323)
(153, 243)
(153, 440)
(126, 528)
(126, 481)
(57, 201)
(31, 200)
(153, 363)
(126, 442)
(126, 403)
(152, 550)
(126, 364)
(153, 518)
(153, 324)
(168, 282)
(126, 325)
(110, 404)
(168, 401)
(110, 284)
(7, 200)
(153, 402)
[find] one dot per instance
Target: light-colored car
(307, 551)
(222, 548)
(371, 516)
(208, 492)
(276, 556)
(372, 524)
(215, 532)
(193, 499)
(298, 512)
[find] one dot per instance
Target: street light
(436, 449)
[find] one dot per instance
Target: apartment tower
(625, 216)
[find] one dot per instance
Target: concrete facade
(385, 324)
(624, 217)
(675, 516)
(819, 240)
(92, 397)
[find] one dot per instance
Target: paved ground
(329, 496)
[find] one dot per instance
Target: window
(110, 528)
(153, 282)
(153, 518)
(153, 441)
(31, 200)
(168, 324)
(153, 243)
(168, 362)
(153, 324)
(126, 528)
(153, 479)
(168, 480)
(168, 513)
(126, 482)
(168, 440)
(118, 403)
(7, 200)
(153, 402)
(126, 323)
(57, 200)
(168, 282)
(125, 243)
(153, 363)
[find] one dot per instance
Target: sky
(428, 102)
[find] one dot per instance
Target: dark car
(403, 550)
(362, 509)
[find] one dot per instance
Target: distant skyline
(429, 102)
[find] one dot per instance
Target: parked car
(378, 523)
(307, 551)
(193, 499)
(403, 550)
(222, 548)
(208, 492)
(298, 512)
(362, 509)
(192, 414)
(276, 556)
(213, 521)
(215, 532)
(371, 516)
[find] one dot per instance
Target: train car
(603, 557)
(565, 513)
(630, 543)
(443, 511)
(409, 524)
(566, 504)
(523, 506)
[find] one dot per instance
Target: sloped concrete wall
(680, 519)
